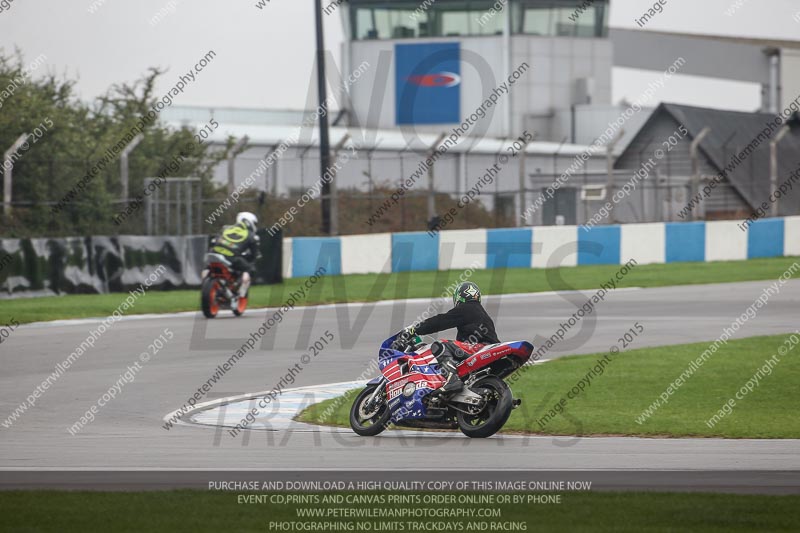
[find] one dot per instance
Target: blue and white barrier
(542, 247)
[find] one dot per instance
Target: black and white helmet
(466, 292)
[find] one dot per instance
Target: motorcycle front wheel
(368, 422)
(493, 415)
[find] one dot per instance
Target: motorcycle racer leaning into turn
(240, 245)
(475, 327)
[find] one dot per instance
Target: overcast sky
(265, 57)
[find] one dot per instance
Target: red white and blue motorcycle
(407, 394)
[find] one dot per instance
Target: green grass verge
(372, 287)
(634, 379)
(44, 511)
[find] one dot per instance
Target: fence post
(773, 166)
(274, 170)
(431, 193)
(232, 163)
(123, 165)
(522, 160)
(695, 186)
(610, 166)
(8, 174)
(334, 198)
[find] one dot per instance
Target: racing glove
(403, 339)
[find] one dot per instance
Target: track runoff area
(634, 392)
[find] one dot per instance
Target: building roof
(732, 132)
(393, 140)
(731, 39)
(182, 114)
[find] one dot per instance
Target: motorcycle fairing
(520, 350)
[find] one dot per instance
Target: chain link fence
(365, 196)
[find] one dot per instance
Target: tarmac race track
(128, 432)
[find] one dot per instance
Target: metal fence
(179, 210)
(366, 196)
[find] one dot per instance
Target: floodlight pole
(324, 140)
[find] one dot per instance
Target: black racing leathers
(473, 322)
(239, 245)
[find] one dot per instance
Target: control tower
(434, 63)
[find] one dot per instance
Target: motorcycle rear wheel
(371, 425)
(495, 413)
(208, 299)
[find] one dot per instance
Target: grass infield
(185, 510)
(374, 287)
(624, 388)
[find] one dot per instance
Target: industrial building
(489, 73)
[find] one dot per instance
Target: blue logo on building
(428, 83)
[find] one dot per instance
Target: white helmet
(250, 220)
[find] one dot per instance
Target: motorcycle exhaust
(228, 292)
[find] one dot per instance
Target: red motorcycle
(220, 288)
(407, 394)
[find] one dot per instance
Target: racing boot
(448, 366)
(245, 285)
(453, 383)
